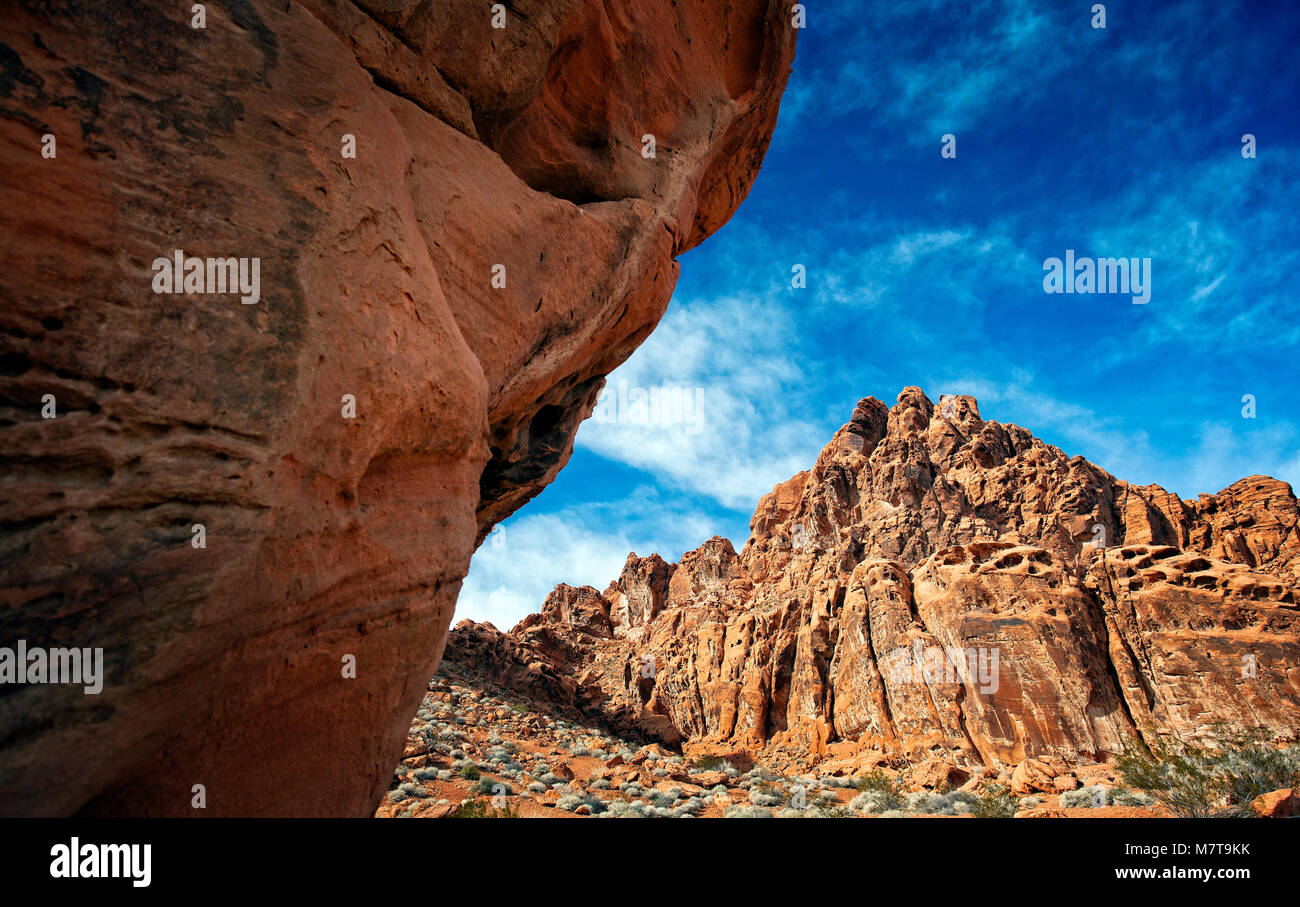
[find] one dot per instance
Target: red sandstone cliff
(923, 531)
(326, 536)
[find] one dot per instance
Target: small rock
(1278, 804)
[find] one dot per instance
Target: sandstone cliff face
(326, 536)
(941, 585)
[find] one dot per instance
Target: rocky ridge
(936, 587)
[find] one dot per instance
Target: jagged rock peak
(942, 584)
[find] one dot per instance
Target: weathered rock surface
(326, 536)
(941, 587)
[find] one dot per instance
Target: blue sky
(1123, 141)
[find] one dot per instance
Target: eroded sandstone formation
(942, 587)
(327, 535)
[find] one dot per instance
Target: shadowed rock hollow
(326, 536)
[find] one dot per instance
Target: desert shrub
(425, 774)
(708, 764)
(489, 787)
(625, 809)
(874, 801)
(1089, 797)
(1251, 768)
(765, 795)
(993, 802)
(688, 806)
(876, 779)
(879, 793)
(570, 802)
(469, 771)
(939, 804)
(482, 809)
(1122, 796)
(829, 808)
(1217, 779)
(741, 811)
(661, 798)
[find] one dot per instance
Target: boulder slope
(497, 244)
(939, 586)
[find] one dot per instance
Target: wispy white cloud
(739, 358)
(527, 556)
(932, 79)
(1221, 250)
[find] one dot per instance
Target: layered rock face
(938, 585)
(435, 317)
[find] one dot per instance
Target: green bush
(825, 809)
(480, 809)
(469, 771)
(1219, 779)
(880, 793)
(1122, 796)
(993, 802)
(489, 787)
(876, 780)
